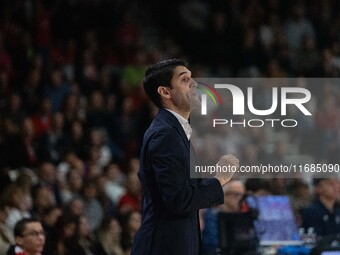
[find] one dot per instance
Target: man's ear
(164, 92)
(18, 240)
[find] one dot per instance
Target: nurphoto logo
(281, 97)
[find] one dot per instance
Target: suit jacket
(170, 223)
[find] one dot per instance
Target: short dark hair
(21, 225)
(160, 74)
(317, 181)
(256, 184)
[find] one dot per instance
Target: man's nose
(193, 83)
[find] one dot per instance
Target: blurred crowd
(73, 111)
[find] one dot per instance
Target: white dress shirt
(184, 123)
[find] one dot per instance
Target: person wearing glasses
(234, 192)
(29, 238)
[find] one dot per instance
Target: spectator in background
(31, 91)
(257, 187)
(25, 182)
(308, 60)
(92, 208)
(99, 139)
(71, 109)
(297, 27)
(57, 90)
(97, 114)
(86, 236)
(22, 146)
(75, 206)
(66, 241)
(300, 198)
(47, 174)
(53, 142)
(108, 207)
(89, 72)
(234, 192)
(109, 237)
(133, 74)
(42, 119)
(133, 166)
(131, 200)
(130, 222)
(76, 139)
(42, 199)
(70, 160)
(128, 120)
(49, 220)
(6, 234)
(14, 197)
(72, 186)
(113, 188)
(323, 215)
(15, 113)
(50, 217)
(29, 238)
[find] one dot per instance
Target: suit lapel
(168, 117)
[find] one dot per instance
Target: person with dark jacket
(323, 215)
(171, 199)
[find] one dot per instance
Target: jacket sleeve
(171, 167)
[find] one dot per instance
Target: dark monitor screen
(236, 233)
(275, 224)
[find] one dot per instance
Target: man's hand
(227, 160)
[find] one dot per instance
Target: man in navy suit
(171, 199)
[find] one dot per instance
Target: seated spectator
(92, 208)
(108, 207)
(234, 191)
(98, 139)
(50, 217)
(300, 198)
(131, 200)
(257, 187)
(57, 90)
(322, 214)
(21, 147)
(75, 206)
(113, 188)
(66, 241)
(86, 236)
(109, 237)
(130, 224)
(42, 199)
(14, 197)
(25, 182)
(71, 189)
(29, 238)
(53, 142)
(42, 119)
(47, 174)
(6, 235)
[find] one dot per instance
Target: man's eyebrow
(184, 72)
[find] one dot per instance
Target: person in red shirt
(131, 200)
(29, 238)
